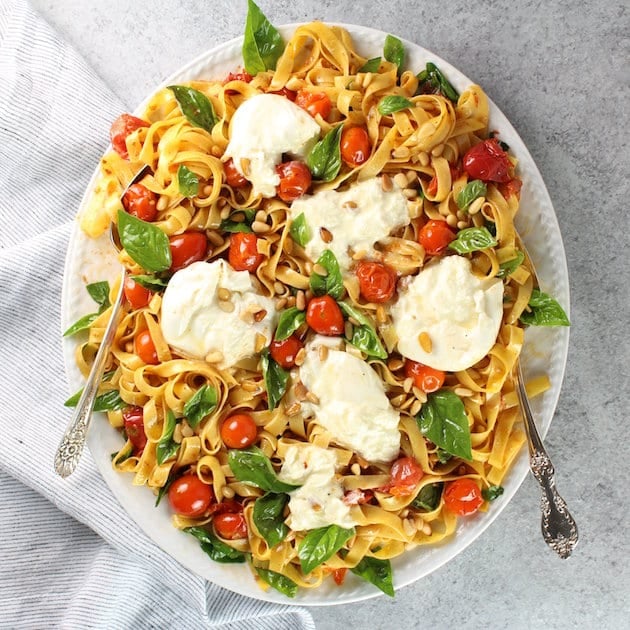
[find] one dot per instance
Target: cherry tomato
(435, 236)
(287, 93)
(187, 248)
(189, 496)
(230, 526)
(141, 202)
(355, 146)
(295, 180)
(324, 316)
(462, 496)
(424, 377)
(357, 497)
(233, 178)
(137, 296)
(405, 475)
(339, 575)
(432, 188)
(121, 128)
(145, 348)
(227, 505)
(238, 76)
(314, 103)
(283, 352)
(488, 162)
(513, 187)
(377, 282)
(134, 428)
(239, 431)
(243, 254)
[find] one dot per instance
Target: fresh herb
(504, 145)
(196, 106)
(491, 493)
(215, 548)
(83, 323)
(394, 51)
(262, 44)
(300, 231)
(275, 379)
(510, 266)
(324, 159)
(290, 320)
(269, 517)
(320, 544)
(187, 181)
(442, 456)
(443, 420)
(390, 104)
(145, 243)
(107, 401)
(200, 405)
(151, 282)
(471, 191)
(167, 447)
(332, 283)
(545, 311)
(371, 65)
(377, 572)
(431, 80)
(429, 497)
(232, 226)
(491, 226)
(472, 239)
(164, 489)
(251, 465)
(99, 292)
(364, 335)
(278, 581)
(74, 399)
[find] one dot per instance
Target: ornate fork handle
(558, 526)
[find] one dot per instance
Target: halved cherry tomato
(187, 248)
(145, 348)
(137, 296)
(432, 188)
(324, 316)
(134, 428)
(230, 526)
(295, 180)
(513, 187)
(243, 254)
(377, 282)
(434, 236)
(287, 93)
(488, 162)
(339, 575)
(121, 128)
(462, 496)
(424, 377)
(232, 175)
(141, 202)
(314, 103)
(189, 496)
(239, 431)
(357, 497)
(404, 477)
(283, 352)
(355, 146)
(238, 76)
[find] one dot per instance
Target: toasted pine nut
(461, 215)
(225, 212)
(245, 164)
(291, 301)
(226, 306)
(395, 364)
(348, 330)
(207, 189)
(400, 179)
(215, 238)
(419, 394)
(261, 215)
(463, 391)
(461, 225)
(398, 400)
(409, 527)
(451, 220)
(261, 342)
(320, 270)
(381, 314)
(187, 430)
(224, 294)
(299, 358)
(401, 152)
(281, 303)
(425, 341)
(359, 255)
(437, 150)
(408, 384)
(322, 352)
(410, 193)
(412, 177)
(214, 357)
(426, 529)
(311, 397)
(293, 409)
(300, 300)
(299, 389)
(326, 235)
(260, 228)
(279, 288)
(260, 315)
(424, 158)
(415, 407)
(475, 206)
(350, 205)
(386, 182)
(356, 469)
(249, 386)
(227, 492)
(162, 203)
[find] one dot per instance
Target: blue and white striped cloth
(70, 557)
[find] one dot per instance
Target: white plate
(545, 352)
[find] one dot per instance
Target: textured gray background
(560, 72)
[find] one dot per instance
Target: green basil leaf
(394, 51)
(431, 80)
(275, 379)
(145, 243)
(99, 292)
(200, 405)
(278, 581)
(364, 336)
(324, 159)
(443, 420)
(471, 191)
(167, 447)
(269, 517)
(377, 572)
(153, 283)
(300, 231)
(251, 465)
(107, 401)
(491, 493)
(262, 44)
(443, 456)
(73, 401)
(472, 239)
(290, 320)
(371, 65)
(510, 266)
(390, 104)
(83, 323)
(187, 181)
(331, 284)
(164, 489)
(232, 226)
(320, 544)
(491, 226)
(429, 497)
(196, 106)
(545, 311)
(215, 548)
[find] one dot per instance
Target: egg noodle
(418, 150)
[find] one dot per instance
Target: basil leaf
(196, 106)
(510, 266)
(278, 581)
(73, 401)
(275, 379)
(331, 284)
(491, 226)
(262, 44)
(251, 465)
(290, 320)
(187, 181)
(99, 292)
(443, 456)
(492, 493)
(364, 336)
(215, 548)
(82, 323)
(429, 497)
(390, 104)
(153, 283)
(300, 231)
(545, 311)
(164, 489)
(145, 243)
(324, 159)
(431, 80)
(371, 65)
(472, 239)
(378, 572)
(200, 405)
(320, 544)
(167, 447)
(269, 517)
(471, 191)
(394, 51)
(232, 226)
(443, 420)
(107, 401)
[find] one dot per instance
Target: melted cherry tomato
(230, 526)
(314, 103)
(141, 202)
(513, 187)
(134, 428)
(189, 496)
(239, 431)
(404, 477)
(187, 248)
(121, 128)
(462, 496)
(432, 188)
(339, 575)
(435, 236)
(424, 377)
(145, 348)
(137, 296)
(295, 180)
(233, 178)
(377, 282)
(287, 93)
(284, 352)
(324, 316)
(488, 162)
(243, 254)
(227, 505)
(355, 146)
(238, 76)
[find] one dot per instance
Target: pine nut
(419, 394)
(401, 152)
(299, 360)
(162, 203)
(461, 215)
(322, 352)
(227, 492)
(216, 151)
(381, 314)
(461, 225)
(356, 469)
(359, 255)
(400, 179)
(437, 150)
(326, 235)
(424, 158)
(291, 301)
(260, 315)
(261, 216)
(415, 407)
(207, 189)
(426, 529)
(279, 288)
(311, 397)
(299, 389)
(463, 391)
(249, 386)
(349, 205)
(225, 212)
(177, 434)
(226, 306)
(409, 527)
(320, 270)
(187, 430)
(398, 400)
(224, 294)
(348, 330)
(260, 228)
(407, 384)
(425, 341)
(395, 364)
(293, 409)
(245, 164)
(215, 238)
(410, 193)
(214, 357)
(281, 303)
(300, 300)
(261, 342)
(412, 177)
(386, 183)
(451, 220)
(475, 206)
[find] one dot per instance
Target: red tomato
(283, 352)
(435, 236)
(295, 180)
(513, 187)
(227, 505)
(238, 76)
(357, 497)
(339, 575)
(324, 316)
(355, 146)
(121, 128)
(405, 475)
(424, 377)
(187, 248)
(141, 202)
(145, 348)
(137, 296)
(189, 496)
(488, 162)
(243, 254)
(230, 526)
(432, 188)
(314, 103)
(462, 496)
(377, 282)
(239, 431)
(232, 176)
(287, 93)
(134, 428)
